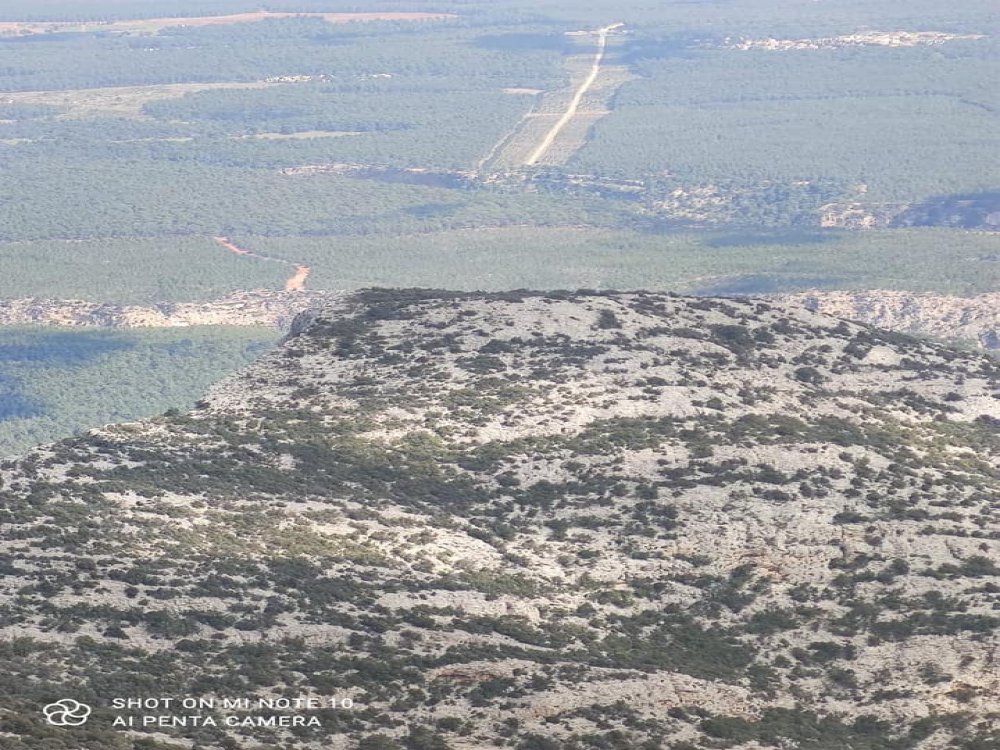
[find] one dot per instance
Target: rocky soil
(526, 520)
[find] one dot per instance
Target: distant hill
(973, 211)
(544, 521)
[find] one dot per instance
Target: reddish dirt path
(295, 283)
(224, 242)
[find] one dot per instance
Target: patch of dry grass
(154, 25)
(121, 101)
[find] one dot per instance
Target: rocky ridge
(961, 319)
(557, 521)
(261, 307)
(973, 319)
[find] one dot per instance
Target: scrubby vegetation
(525, 519)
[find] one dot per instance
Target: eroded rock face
(974, 319)
(534, 520)
(245, 308)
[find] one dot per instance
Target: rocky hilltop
(967, 319)
(536, 521)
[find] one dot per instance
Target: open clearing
(120, 101)
(153, 25)
(559, 123)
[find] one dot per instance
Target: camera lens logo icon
(67, 713)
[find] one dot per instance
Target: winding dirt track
(294, 283)
(574, 105)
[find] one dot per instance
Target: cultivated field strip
(559, 123)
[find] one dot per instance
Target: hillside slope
(527, 520)
(973, 319)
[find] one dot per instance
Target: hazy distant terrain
(692, 124)
(711, 147)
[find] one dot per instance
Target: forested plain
(923, 260)
(57, 381)
(139, 169)
(904, 122)
(122, 155)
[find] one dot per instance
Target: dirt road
(574, 105)
(294, 283)
(297, 281)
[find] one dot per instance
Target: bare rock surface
(975, 319)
